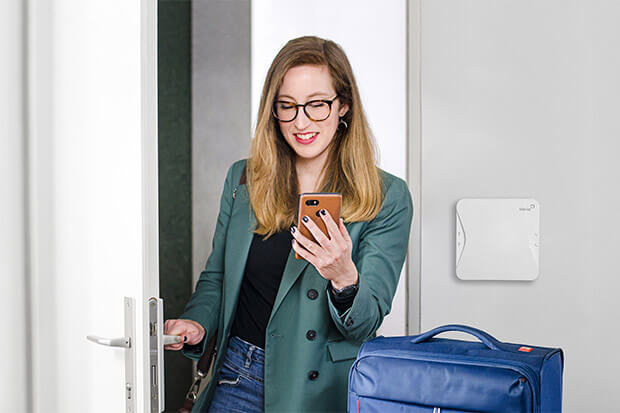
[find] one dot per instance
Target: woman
(289, 329)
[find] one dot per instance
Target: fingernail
(293, 241)
(323, 212)
(304, 218)
(293, 229)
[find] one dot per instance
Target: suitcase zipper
(519, 367)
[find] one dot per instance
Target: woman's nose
(302, 121)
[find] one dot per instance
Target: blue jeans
(239, 385)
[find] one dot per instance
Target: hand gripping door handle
(487, 339)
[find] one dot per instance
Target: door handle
(157, 340)
(111, 342)
(125, 342)
(166, 339)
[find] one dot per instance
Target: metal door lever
(167, 339)
(112, 342)
(128, 344)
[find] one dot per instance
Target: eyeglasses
(316, 110)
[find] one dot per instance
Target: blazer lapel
(292, 270)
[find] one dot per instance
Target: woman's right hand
(191, 331)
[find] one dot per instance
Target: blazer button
(349, 322)
(312, 294)
(313, 375)
(311, 335)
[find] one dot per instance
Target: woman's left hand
(330, 256)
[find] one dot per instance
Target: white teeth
(306, 135)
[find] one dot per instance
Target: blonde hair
(350, 167)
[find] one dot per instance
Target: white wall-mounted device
(497, 239)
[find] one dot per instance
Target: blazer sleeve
(204, 304)
(380, 257)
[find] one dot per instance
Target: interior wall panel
(519, 99)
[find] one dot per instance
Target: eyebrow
(309, 96)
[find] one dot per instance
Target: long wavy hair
(350, 167)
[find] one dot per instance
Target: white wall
(14, 345)
(220, 111)
(374, 39)
(520, 99)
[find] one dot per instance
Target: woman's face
(300, 85)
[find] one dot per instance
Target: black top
(263, 272)
(261, 280)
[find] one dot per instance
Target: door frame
(150, 195)
(414, 163)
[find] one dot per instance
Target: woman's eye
(284, 106)
(316, 104)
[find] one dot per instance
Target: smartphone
(310, 203)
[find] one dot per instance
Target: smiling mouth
(305, 136)
(306, 140)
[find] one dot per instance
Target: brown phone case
(310, 203)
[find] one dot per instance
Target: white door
(92, 184)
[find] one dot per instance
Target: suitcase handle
(487, 339)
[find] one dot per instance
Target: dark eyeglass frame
(297, 105)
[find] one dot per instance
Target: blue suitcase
(426, 374)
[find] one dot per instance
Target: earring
(342, 122)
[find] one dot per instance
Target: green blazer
(379, 250)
